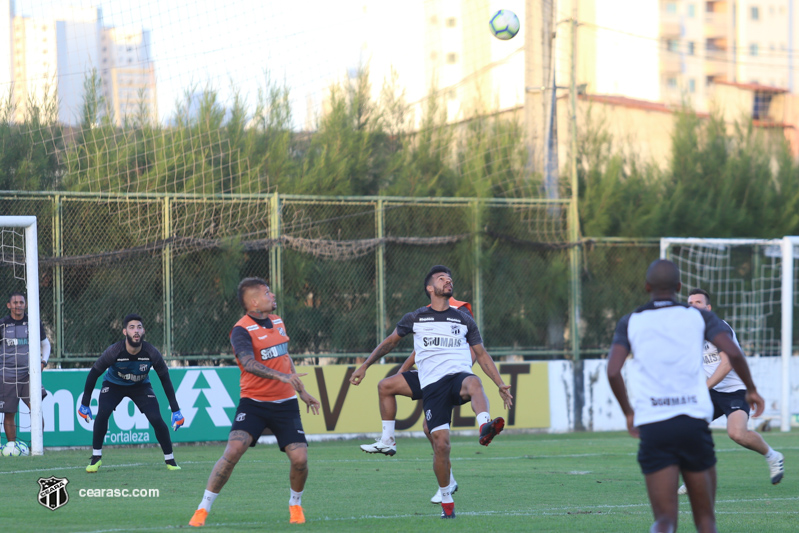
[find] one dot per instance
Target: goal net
(752, 283)
(20, 349)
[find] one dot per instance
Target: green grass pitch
(540, 482)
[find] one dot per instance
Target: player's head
(133, 329)
(16, 305)
(438, 281)
(255, 296)
(700, 299)
(662, 278)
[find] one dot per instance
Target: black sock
(171, 462)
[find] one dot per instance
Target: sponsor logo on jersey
(277, 321)
(281, 331)
(269, 353)
(104, 389)
(253, 327)
(240, 417)
(676, 400)
(442, 342)
(53, 492)
(300, 432)
(426, 319)
(262, 338)
(120, 359)
(454, 320)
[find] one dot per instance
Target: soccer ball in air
(504, 24)
(15, 449)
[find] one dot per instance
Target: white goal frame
(786, 245)
(28, 223)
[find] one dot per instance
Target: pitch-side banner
(208, 397)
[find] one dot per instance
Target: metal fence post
(477, 243)
(380, 264)
(166, 262)
(58, 279)
(275, 255)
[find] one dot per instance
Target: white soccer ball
(15, 449)
(504, 24)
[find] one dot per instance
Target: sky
(233, 44)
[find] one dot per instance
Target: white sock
(168, 456)
(388, 431)
(770, 454)
(208, 500)
(296, 497)
(446, 495)
(483, 418)
(451, 478)
(98, 453)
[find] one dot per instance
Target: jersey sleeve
(405, 325)
(241, 341)
(620, 335)
(163, 374)
(473, 337)
(107, 359)
(714, 325)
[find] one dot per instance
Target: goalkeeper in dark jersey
(128, 364)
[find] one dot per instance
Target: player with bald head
(671, 409)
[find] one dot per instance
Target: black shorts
(412, 377)
(681, 440)
(282, 419)
(11, 390)
(725, 403)
(440, 397)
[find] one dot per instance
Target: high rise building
(128, 73)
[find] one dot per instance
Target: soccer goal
(752, 283)
(19, 264)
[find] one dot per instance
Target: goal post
(30, 257)
(747, 278)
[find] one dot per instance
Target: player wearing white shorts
(728, 393)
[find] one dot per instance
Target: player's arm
(409, 362)
(721, 371)
(310, 402)
(97, 369)
(619, 350)
(487, 364)
(723, 341)
(159, 365)
(383, 349)
(45, 349)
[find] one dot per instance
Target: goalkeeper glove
(177, 420)
(85, 412)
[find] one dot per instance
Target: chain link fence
(344, 270)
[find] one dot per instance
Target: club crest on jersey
(456, 330)
(53, 492)
(104, 389)
(143, 368)
(281, 331)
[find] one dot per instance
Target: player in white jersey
(728, 392)
(672, 408)
(443, 339)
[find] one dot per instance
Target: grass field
(573, 482)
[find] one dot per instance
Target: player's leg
(661, 486)
(405, 384)
(442, 468)
(248, 424)
(702, 494)
(297, 453)
(453, 485)
(286, 424)
(439, 399)
(110, 396)
(145, 400)
(738, 430)
(9, 404)
(472, 389)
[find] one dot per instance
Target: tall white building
(56, 56)
(6, 16)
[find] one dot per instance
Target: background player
(14, 365)
(672, 404)
(269, 388)
(728, 394)
(404, 383)
(127, 366)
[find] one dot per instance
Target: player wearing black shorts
(443, 340)
(728, 394)
(672, 404)
(127, 366)
(269, 389)
(405, 382)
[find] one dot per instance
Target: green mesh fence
(344, 270)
